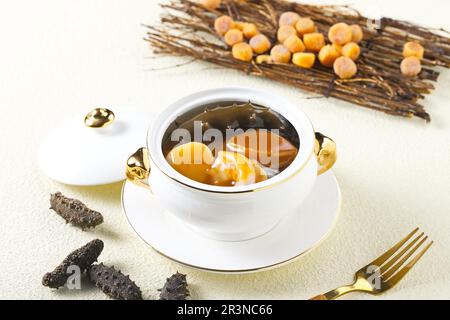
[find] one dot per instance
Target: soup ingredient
(75, 212)
(304, 26)
(413, 49)
(357, 33)
(82, 258)
(280, 54)
(242, 51)
(233, 36)
(249, 30)
(294, 44)
(210, 4)
(288, 19)
(222, 24)
(328, 55)
(234, 169)
(264, 58)
(225, 115)
(351, 50)
(192, 160)
(304, 59)
(345, 68)
(340, 33)
(314, 41)
(410, 66)
(268, 148)
(260, 43)
(114, 283)
(285, 32)
(175, 288)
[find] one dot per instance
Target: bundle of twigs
(186, 29)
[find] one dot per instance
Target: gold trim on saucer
(243, 271)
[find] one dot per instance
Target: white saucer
(291, 238)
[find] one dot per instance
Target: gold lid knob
(99, 117)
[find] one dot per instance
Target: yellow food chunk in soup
(192, 160)
(269, 149)
(233, 169)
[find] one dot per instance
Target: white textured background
(59, 57)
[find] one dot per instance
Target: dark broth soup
(220, 126)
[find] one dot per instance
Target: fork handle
(336, 293)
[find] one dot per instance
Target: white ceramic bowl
(240, 212)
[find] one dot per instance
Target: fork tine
(399, 275)
(385, 256)
(397, 266)
(388, 264)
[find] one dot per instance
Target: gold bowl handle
(138, 168)
(325, 149)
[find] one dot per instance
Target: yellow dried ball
(222, 24)
(345, 68)
(340, 33)
(280, 54)
(260, 43)
(285, 32)
(288, 19)
(233, 36)
(314, 41)
(249, 30)
(328, 55)
(294, 44)
(264, 58)
(304, 59)
(413, 49)
(411, 66)
(357, 33)
(337, 47)
(242, 51)
(210, 4)
(351, 50)
(239, 25)
(304, 26)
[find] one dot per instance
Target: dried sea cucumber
(82, 257)
(75, 212)
(175, 288)
(114, 283)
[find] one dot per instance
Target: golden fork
(385, 271)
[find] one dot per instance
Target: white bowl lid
(77, 154)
